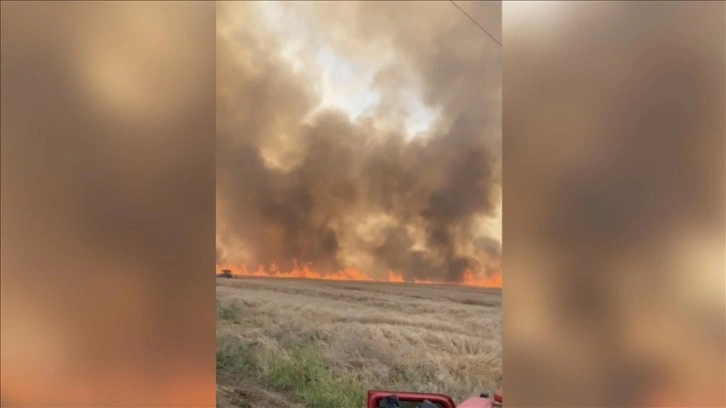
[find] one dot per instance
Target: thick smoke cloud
(299, 183)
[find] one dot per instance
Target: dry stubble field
(311, 343)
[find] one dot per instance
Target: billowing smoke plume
(297, 182)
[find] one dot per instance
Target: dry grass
(324, 344)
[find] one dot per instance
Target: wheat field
(312, 343)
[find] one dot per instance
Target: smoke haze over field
(359, 135)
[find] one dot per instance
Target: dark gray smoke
(335, 192)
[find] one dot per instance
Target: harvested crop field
(313, 343)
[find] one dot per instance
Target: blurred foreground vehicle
(390, 399)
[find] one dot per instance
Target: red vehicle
(394, 399)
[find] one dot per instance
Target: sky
(359, 135)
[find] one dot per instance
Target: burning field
(359, 161)
(323, 343)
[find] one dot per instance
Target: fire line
(352, 274)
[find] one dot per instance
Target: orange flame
(352, 274)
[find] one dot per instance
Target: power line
(477, 24)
